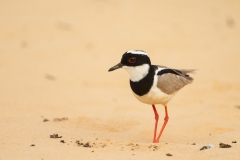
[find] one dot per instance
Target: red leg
(156, 123)
(164, 124)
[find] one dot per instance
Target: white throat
(138, 72)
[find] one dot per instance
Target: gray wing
(172, 80)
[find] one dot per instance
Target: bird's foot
(155, 141)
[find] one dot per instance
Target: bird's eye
(132, 60)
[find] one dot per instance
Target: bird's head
(136, 63)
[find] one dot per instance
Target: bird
(153, 84)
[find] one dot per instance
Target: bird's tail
(185, 71)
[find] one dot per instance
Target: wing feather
(172, 80)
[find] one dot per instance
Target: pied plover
(153, 84)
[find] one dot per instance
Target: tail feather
(185, 71)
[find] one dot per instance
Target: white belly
(155, 96)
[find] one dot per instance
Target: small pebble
(55, 136)
(86, 145)
(78, 142)
(207, 147)
(210, 146)
(32, 145)
(45, 120)
(62, 141)
(222, 145)
(60, 119)
(194, 144)
(234, 141)
(168, 154)
(204, 147)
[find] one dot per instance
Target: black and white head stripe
(137, 52)
(135, 58)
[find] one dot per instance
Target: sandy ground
(54, 57)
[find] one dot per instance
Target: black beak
(119, 65)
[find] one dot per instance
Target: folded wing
(172, 80)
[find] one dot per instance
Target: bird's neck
(144, 85)
(138, 72)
